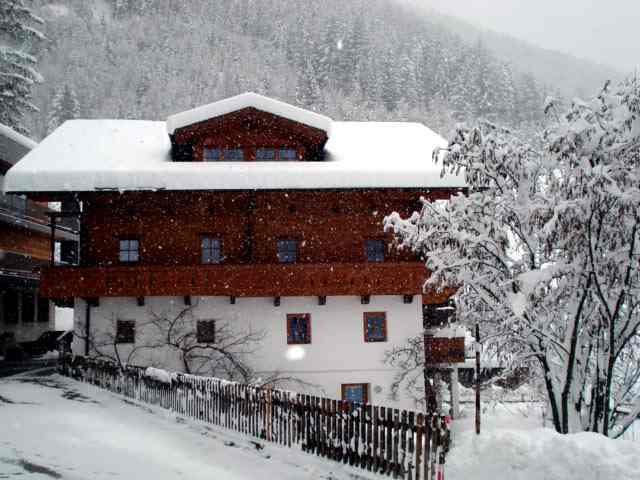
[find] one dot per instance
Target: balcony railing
(22, 209)
(255, 280)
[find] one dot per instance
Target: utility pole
(478, 348)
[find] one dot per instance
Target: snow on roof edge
(245, 100)
(17, 137)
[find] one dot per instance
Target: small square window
(126, 331)
(375, 327)
(265, 154)
(355, 392)
(287, 251)
(374, 249)
(206, 331)
(233, 154)
(210, 249)
(288, 154)
(129, 251)
(210, 154)
(298, 328)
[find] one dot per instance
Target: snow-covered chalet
(252, 214)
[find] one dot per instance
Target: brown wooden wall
(24, 241)
(331, 226)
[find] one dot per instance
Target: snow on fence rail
(398, 443)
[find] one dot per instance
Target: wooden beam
(322, 300)
(407, 298)
(140, 301)
(276, 301)
(365, 299)
(187, 299)
(232, 300)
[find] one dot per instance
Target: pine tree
(19, 40)
(65, 106)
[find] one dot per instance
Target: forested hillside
(358, 60)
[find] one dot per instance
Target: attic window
(215, 154)
(211, 154)
(265, 154)
(288, 154)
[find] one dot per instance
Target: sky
(606, 31)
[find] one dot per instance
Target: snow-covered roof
(13, 145)
(245, 100)
(88, 155)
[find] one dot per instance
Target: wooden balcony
(256, 280)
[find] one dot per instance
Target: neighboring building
(258, 215)
(24, 248)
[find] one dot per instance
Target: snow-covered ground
(53, 427)
(514, 446)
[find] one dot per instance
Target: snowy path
(53, 427)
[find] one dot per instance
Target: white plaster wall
(338, 353)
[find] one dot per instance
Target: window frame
(125, 332)
(272, 150)
(285, 149)
(226, 152)
(366, 316)
(128, 251)
(210, 237)
(307, 334)
(200, 326)
(365, 392)
(206, 148)
(295, 251)
(376, 241)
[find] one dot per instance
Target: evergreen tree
(19, 40)
(65, 106)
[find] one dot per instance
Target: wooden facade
(248, 129)
(330, 226)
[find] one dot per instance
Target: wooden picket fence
(388, 441)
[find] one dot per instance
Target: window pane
(233, 154)
(354, 393)
(288, 154)
(206, 331)
(210, 250)
(265, 154)
(375, 327)
(125, 331)
(211, 154)
(287, 251)
(374, 250)
(299, 328)
(129, 250)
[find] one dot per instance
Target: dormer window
(215, 154)
(265, 154)
(288, 154)
(233, 154)
(211, 154)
